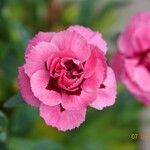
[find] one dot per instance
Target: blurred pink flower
(132, 61)
(64, 73)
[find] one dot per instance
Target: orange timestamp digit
(139, 136)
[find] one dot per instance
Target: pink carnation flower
(64, 73)
(132, 61)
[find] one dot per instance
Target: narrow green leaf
(14, 101)
(28, 144)
(3, 127)
(23, 120)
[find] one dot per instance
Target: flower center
(66, 75)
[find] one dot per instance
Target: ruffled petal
(92, 83)
(25, 89)
(40, 37)
(94, 38)
(71, 41)
(96, 57)
(138, 73)
(141, 39)
(39, 82)
(36, 59)
(136, 37)
(125, 44)
(141, 96)
(107, 94)
(97, 75)
(76, 102)
(63, 120)
(140, 18)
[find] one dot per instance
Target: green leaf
(23, 120)
(27, 144)
(3, 126)
(2, 2)
(13, 101)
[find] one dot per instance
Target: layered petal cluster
(64, 73)
(132, 61)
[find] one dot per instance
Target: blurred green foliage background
(21, 128)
